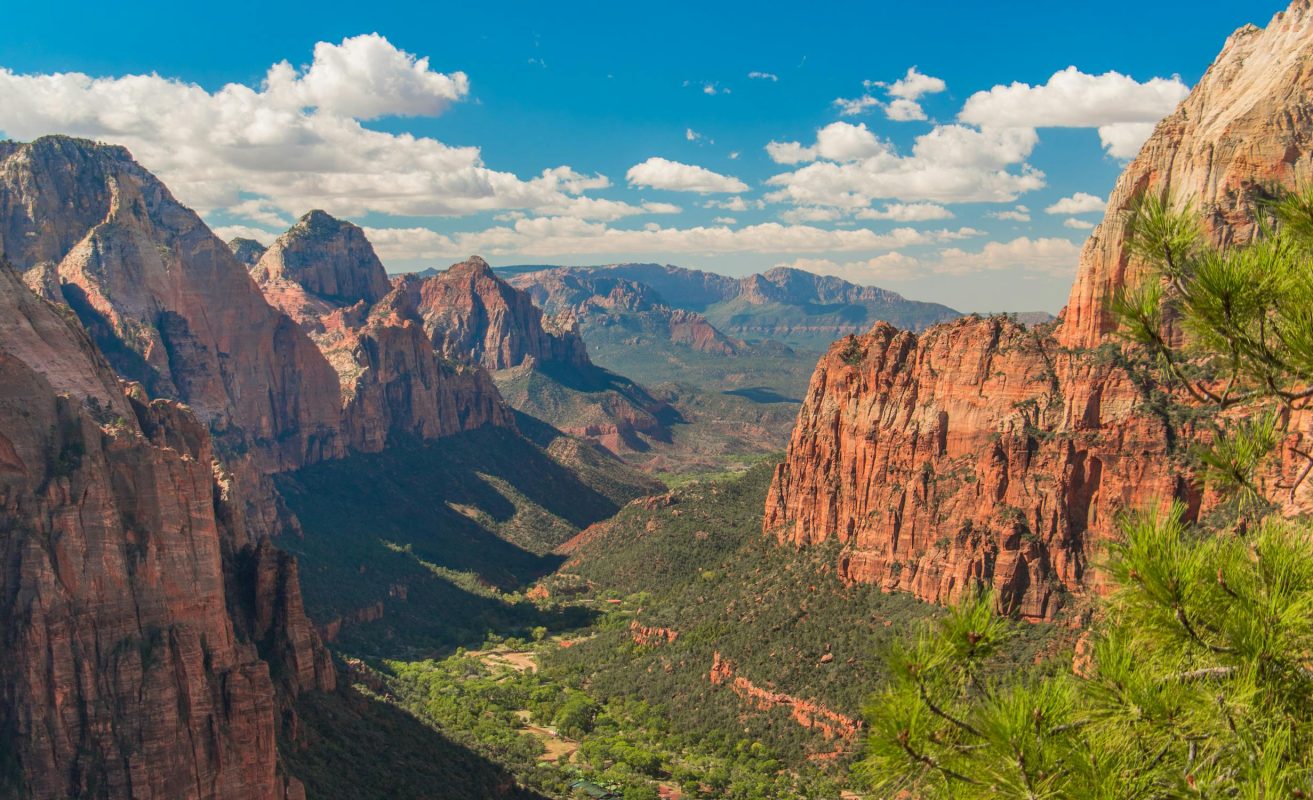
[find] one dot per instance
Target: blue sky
(445, 157)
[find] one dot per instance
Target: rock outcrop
(136, 660)
(472, 315)
(539, 362)
(327, 258)
(247, 251)
(812, 716)
(982, 452)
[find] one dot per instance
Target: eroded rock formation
(472, 315)
(328, 258)
(981, 452)
(324, 274)
(812, 716)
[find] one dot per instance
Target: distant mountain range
(799, 308)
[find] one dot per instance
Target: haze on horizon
(955, 157)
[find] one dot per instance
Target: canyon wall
(984, 453)
(136, 660)
(165, 299)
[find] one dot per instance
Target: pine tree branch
(1206, 672)
(939, 712)
(1189, 629)
(922, 758)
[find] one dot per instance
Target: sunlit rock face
(165, 299)
(983, 453)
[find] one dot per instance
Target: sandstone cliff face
(602, 301)
(983, 453)
(165, 299)
(325, 275)
(472, 315)
(978, 452)
(1248, 125)
(132, 660)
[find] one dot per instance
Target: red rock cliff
(329, 258)
(983, 453)
(135, 661)
(1246, 126)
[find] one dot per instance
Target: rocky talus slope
(982, 452)
(141, 624)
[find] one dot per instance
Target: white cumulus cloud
(851, 107)
(661, 173)
(1018, 214)
(907, 212)
(915, 85)
(1053, 256)
(296, 141)
(567, 236)
(1122, 109)
(951, 163)
(1078, 203)
(1124, 139)
(887, 267)
(903, 93)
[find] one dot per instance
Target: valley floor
(669, 650)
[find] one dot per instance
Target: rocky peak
(1247, 124)
(327, 257)
(472, 315)
(799, 286)
(247, 251)
(165, 299)
(475, 267)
